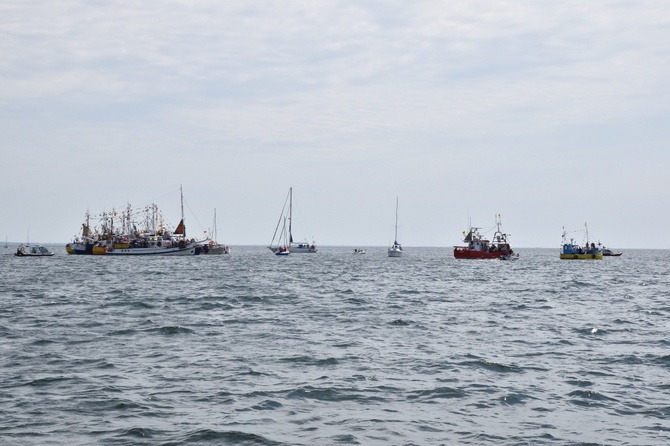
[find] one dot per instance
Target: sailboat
(214, 247)
(284, 244)
(302, 247)
(395, 250)
(6, 245)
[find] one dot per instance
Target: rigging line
(283, 210)
(193, 215)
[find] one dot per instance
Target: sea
(335, 348)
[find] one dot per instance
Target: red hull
(465, 253)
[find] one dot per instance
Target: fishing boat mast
(586, 226)
(181, 193)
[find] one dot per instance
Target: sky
(551, 114)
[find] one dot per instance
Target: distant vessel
(480, 248)
(282, 248)
(360, 251)
(6, 245)
(513, 256)
(288, 245)
(395, 250)
(609, 253)
(572, 251)
(212, 246)
(85, 243)
(32, 251)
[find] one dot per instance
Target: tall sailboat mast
(396, 221)
(290, 214)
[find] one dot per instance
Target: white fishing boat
(211, 246)
(154, 242)
(32, 251)
(287, 216)
(395, 250)
(125, 235)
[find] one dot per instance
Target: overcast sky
(551, 114)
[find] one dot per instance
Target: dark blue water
(334, 348)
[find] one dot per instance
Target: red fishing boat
(480, 248)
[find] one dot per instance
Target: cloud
(350, 89)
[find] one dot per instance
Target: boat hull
(189, 250)
(596, 256)
(279, 250)
(466, 253)
(33, 251)
(295, 249)
(79, 248)
(302, 249)
(214, 250)
(394, 253)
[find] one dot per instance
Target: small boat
(479, 247)
(32, 251)
(359, 251)
(609, 253)
(283, 248)
(212, 246)
(282, 251)
(512, 256)
(395, 250)
(287, 234)
(572, 251)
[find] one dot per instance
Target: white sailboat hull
(302, 248)
(395, 252)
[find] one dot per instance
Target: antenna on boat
(181, 193)
(587, 233)
(290, 215)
